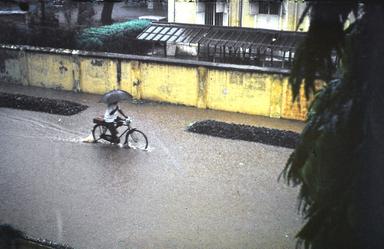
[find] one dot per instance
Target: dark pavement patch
(275, 137)
(53, 106)
(13, 238)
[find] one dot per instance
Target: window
(210, 10)
(269, 7)
(263, 7)
(219, 19)
(274, 8)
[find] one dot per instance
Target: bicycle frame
(103, 127)
(126, 130)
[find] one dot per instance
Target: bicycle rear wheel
(98, 132)
(136, 139)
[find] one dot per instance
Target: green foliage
(324, 40)
(325, 166)
(98, 36)
(325, 163)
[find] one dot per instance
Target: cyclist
(113, 121)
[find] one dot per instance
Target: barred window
(271, 8)
(274, 8)
(263, 7)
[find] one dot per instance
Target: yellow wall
(293, 110)
(130, 74)
(37, 69)
(213, 87)
(234, 18)
(50, 71)
(239, 92)
(248, 21)
(169, 83)
(98, 75)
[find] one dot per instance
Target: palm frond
(315, 59)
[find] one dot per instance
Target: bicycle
(134, 138)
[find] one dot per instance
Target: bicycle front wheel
(136, 139)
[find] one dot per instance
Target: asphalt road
(187, 191)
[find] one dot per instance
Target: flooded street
(187, 191)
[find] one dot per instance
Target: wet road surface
(187, 191)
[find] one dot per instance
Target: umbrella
(115, 96)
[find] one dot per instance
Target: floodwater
(187, 191)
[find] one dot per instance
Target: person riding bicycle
(113, 121)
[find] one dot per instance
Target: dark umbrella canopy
(115, 96)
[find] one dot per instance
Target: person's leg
(115, 132)
(112, 129)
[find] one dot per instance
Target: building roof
(222, 36)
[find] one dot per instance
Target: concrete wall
(288, 18)
(185, 11)
(235, 88)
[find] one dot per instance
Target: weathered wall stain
(97, 76)
(97, 62)
(236, 78)
(255, 82)
(5, 56)
(44, 70)
(12, 66)
(202, 74)
(62, 68)
(118, 73)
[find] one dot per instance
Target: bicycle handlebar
(128, 120)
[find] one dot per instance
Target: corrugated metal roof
(260, 47)
(221, 36)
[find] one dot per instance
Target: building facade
(275, 15)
